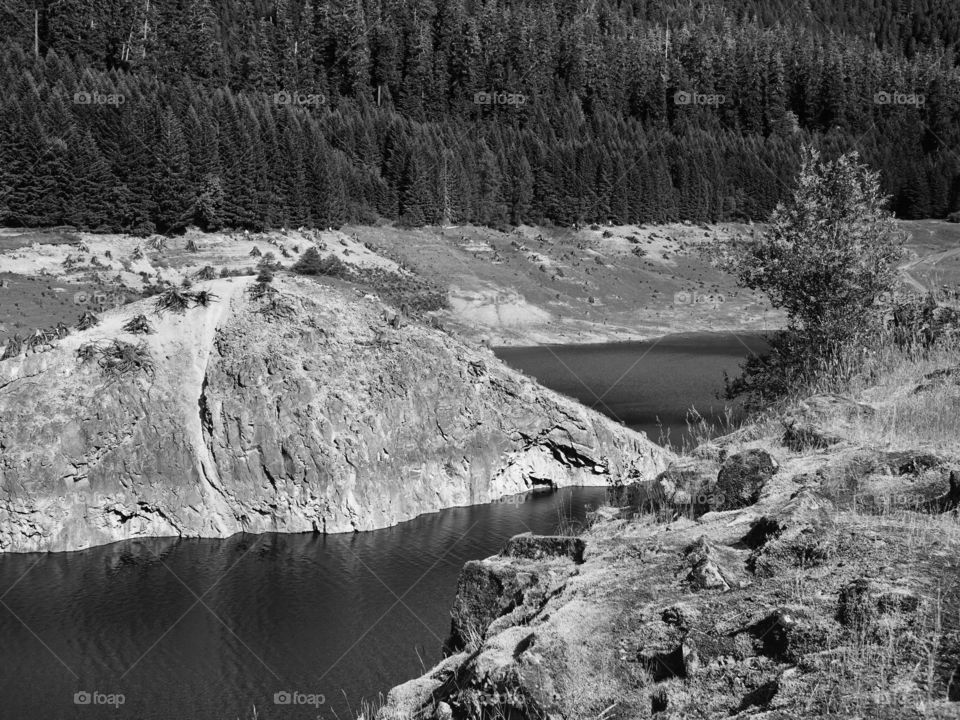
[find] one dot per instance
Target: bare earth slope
(317, 416)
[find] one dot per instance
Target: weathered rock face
(689, 618)
(326, 420)
(742, 477)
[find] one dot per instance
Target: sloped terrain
(310, 408)
(771, 574)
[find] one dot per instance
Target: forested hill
(150, 115)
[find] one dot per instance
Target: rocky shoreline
(819, 580)
(309, 410)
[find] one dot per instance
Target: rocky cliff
(305, 412)
(824, 584)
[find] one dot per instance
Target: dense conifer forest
(150, 115)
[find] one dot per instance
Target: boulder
(864, 601)
(537, 547)
(704, 572)
(408, 700)
(951, 500)
(790, 632)
(486, 590)
(822, 420)
(741, 479)
(800, 534)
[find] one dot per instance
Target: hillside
(804, 567)
(526, 286)
(309, 408)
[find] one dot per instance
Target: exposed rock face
(742, 477)
(325, 420)
(763, 611)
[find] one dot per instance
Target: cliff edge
(303, 410)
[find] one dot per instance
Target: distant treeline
(149, 116)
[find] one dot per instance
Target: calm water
(207, 629)
(191, 629)
(649, 386)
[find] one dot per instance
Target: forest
(154, 115)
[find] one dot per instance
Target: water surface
(649, 386)
(208, 629)
(191, 629)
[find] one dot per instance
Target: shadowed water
(208, 628)
(649, 386)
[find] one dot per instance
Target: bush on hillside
(139, 325)
(312, 263)
(174, 300)
(829, 256)
(121, 358)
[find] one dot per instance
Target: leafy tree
(830, 254)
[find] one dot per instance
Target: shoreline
(499, 500)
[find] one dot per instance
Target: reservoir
(211, 629)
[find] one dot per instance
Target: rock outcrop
(788, 607)
(304, 413)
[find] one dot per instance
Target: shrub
(954, 217)
(138, 325)
(277, 308)
(122, 358)
(830, 253)
(915, 325)
(312, 263)
(88, 352)
(174, 300)
(207, 272)
(87, 321)
(204, 297)
(38, 338)
(263, 287)
(413, 295)
(269, 261)
(14, 347)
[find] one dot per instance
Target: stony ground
(805, 566)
